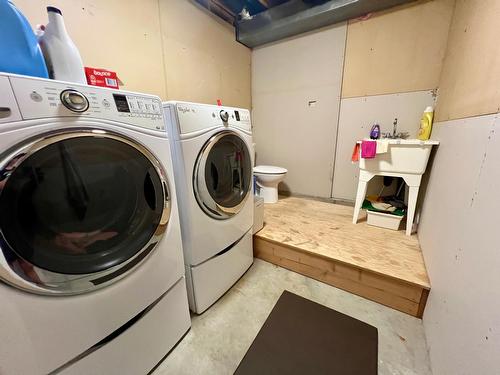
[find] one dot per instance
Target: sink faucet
(395, 134)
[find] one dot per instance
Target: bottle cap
(429, 109)
(54, 9)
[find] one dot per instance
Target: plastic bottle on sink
(424, 133)
(61, 55)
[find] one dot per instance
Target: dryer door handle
(5, 112)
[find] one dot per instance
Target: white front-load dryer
(213, 172)
(91, 258)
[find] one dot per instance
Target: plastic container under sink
(383, 220)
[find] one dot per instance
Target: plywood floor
(318, 239)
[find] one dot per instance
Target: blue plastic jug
(19, 49)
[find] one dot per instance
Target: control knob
(224, 115)
(74, 100)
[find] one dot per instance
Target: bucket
(19, 49)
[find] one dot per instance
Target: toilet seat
(268, 177)
(269, 169)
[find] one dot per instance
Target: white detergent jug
(63, 60)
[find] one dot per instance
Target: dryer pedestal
(138, 349)
(208, 281)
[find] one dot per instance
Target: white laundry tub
(402, 156)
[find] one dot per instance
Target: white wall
(459, 236)
(357, 115)
(288, 131)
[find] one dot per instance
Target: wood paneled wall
(170, 48)
(469, 84)
(202, 58)
(398, 50)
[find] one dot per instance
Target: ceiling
(258, 22)
(230, 10)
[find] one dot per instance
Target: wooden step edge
(412, 306)
(423, 285)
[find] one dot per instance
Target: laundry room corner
(144, 46)
(248, 187)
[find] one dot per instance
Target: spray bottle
(61, 55)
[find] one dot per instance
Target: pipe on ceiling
(299, 16)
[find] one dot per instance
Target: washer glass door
(78, 209)
(222, 175)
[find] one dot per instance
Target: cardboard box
(101, 77)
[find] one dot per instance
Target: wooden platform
(318, 239)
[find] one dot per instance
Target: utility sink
(402, 156)
(405, 158)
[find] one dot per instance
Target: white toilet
(268, 179)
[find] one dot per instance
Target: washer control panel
(42, 98)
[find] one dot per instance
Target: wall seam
(445, 55)
(339, 108)
(390, 93)
(164, 59)
(466, 117)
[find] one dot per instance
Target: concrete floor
(220, 337)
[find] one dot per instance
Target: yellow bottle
(424, 133)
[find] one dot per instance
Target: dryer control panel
(195, 117)
(42, 98)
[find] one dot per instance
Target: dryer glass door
(222, 175)
(80, 204)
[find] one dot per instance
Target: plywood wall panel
(298, 63)
(171, 48)
(469, 84)
(203, 61)
(357, 115)
(458, 235)
(398, 50)
(289, 131)
(120, 35)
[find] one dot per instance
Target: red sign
(101, 77)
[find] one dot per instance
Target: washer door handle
(5, 112)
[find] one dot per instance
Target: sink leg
(360, 196)
(364, 177)
(412, 203)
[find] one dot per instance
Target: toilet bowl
(268, 179)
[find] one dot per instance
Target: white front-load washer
(212, 158)
(91, 257)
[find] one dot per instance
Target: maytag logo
(184, 109)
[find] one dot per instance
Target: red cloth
(355, 153)
(368, 149)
